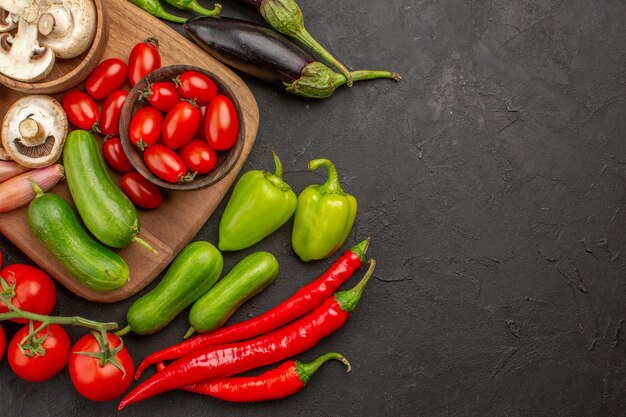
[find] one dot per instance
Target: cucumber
(106, 211)
(55, 224)
(248, 278)
(194, 271)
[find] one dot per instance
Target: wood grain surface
(170, 227)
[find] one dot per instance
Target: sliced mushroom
(26, 9)
(21, 57)
(68, 27)
(7, 21)
(34, 131)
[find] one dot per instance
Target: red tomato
(162, 95)
(198, 156)
(141, 192)
(165, 164)
(111, 110)
(115, 156)
(200, 131)
(180, 124)
(194, 85)
(109, 75)
(3, 343)
(221, 126)
(81, 110)
(45, 365)
(34, 290)
(95, 382)
(144, 58)
(145, 127)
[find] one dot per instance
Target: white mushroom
(34, 131)
(68, 27)
(21, 56)
(26, 9)
(7, 21)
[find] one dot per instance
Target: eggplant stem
(305, 37)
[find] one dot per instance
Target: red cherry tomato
(3, 343)
(162, 95)
(111, 110)
(115, 156)
(165, 164)
(141, 192)
(109, 75)
(95, 382)
(145, 127)
(34, 290)
(144, 58)
(180, 124)
(194, 85)
(198, 156)
(221, 126)
(41, 366)
(81, 110)
(200, 131)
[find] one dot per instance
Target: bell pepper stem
(279, 166)
(332, 185)
(306, 370)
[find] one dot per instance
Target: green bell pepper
(324, 216)
(261, 202)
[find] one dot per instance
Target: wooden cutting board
(172, 226)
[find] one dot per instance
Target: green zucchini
(55, 224)
(106, 211)
(248, 278)
(194, 271)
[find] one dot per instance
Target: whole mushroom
(68, 27)
(34, 131)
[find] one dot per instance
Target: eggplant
(266, 54)
(285, 16)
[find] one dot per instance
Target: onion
(18, 191)
(10, 170)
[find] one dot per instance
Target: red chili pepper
(303, 301)
(281, 382)
(225, 360)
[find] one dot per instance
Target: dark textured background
(492, 182)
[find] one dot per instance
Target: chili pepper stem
(306, 370)
(348, 300)
(154, 8)
(361, 248)
(145, 244)
(195, 7)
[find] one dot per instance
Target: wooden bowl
(226, 159)
(68, 73)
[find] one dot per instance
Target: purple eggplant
(286, 17)
(266, 54)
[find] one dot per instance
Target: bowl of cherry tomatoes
(182, 128)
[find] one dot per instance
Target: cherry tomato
(162, 95)
(144, 58)
(200, 131)
(111, 110)
(95, 382)
(180, 124)
(3, 343)
(165, 164)
(194, 85)
(145, 127)
(115, 156)
(198, 156)
(141, 192)
(109, 75)
(41, 366)
(221, 126)
(34, 290)
(81, 110)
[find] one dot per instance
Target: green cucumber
(106, 211)
(55, 224)
(248, 278)
(194, 271)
